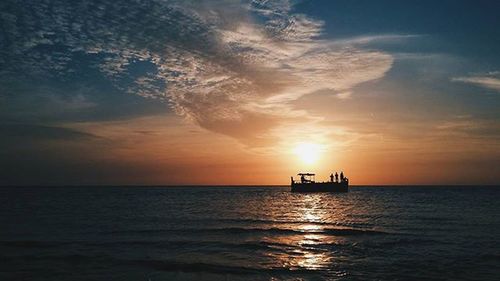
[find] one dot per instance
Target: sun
(308, 153)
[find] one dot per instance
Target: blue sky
(90, 90)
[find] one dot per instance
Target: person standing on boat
(342, 176)
(331, 177)
(336, 177)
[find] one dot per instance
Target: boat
(307, 183)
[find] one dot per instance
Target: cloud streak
(491, 81)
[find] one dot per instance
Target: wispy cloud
(378, 39)
(490, 81)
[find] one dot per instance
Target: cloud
(41, 132)
(231, 67)
(378, 39)
(490, 81)
(470, 126)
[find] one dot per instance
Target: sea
(249, 233)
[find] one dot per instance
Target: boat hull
(320, 187)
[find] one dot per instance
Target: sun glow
(309, 153)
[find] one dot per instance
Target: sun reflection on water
(310, 249)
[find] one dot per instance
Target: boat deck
(320, 186)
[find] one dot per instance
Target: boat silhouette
(307, 183)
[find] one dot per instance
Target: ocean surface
(249, 233)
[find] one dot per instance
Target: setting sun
(308, 153)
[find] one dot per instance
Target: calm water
(261, 233)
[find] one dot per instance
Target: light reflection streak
(307, 250)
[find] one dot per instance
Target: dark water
(261, 233)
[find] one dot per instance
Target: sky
(165, 92)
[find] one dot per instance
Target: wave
(256, 230)
(166, 244)
(196, 267)
(160, 265)
(490, 257)
(404, 242)
(199, 245)
(202, 246)
(31, 243)
(274, 230)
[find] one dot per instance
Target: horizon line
(230, 185)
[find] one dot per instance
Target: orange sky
(169, 150)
